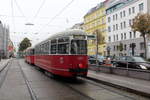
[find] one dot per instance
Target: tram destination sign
(91, 37)
(79, 37)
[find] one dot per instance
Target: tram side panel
(63, 65)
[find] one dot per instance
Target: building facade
(4, 39)
(94, 20)
(119, 15)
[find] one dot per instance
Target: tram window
(53, 41)
(63, 48)
(78, 47)
(63, 40)
(32, 52)
(45, 48)
(42, 49)
(53, 49)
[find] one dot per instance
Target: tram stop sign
(91, 37)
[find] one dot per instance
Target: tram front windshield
(78, 47)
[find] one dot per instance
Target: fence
(135, 73)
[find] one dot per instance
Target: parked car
(133, 62)
(92, 59)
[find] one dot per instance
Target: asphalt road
(20, 81)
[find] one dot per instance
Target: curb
(141, 93)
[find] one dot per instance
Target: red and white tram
(29, 55)
(64, 54)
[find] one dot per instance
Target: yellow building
(94, 20)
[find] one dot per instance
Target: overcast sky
(48, 16)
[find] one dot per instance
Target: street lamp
(29, 24)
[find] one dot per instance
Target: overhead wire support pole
(96, 48)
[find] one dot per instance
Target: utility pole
(96, 32)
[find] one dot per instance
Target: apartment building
(4, 38)
(121, 39)
(95, 19)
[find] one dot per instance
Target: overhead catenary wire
(60, 12)
(12, 14)
(19, 8)
(42, 4)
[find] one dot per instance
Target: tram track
(90, 81)
(70, 86)
(62, 83)
(77, 88)
(79, 92)
(31, 92)
(3, 72)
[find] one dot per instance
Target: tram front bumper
(78, 70)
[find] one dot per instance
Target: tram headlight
(81, 66)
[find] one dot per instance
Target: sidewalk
(3, 62)
(141, 87)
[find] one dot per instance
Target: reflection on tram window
(63, 48)
(53, 49)
(78, 47)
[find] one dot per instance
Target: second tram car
(29, 55)
(64, 54)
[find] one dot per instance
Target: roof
(100, 5)
(68, 32)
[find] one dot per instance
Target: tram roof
(30, 48)
(69, 32)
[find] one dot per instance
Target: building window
(117, 37)
(142, 46)
(125, 47)
(120, 14)
(116, 16)
(134, 34)
(109, 29)
(124, 13)
(121, 25)
(113, 27)
(114, 47)
(133, 10)
(109, 39)
(124, 24)
(114, 38)
(121, 36)
(109, 19)
(116, 26)
(103, 21)
(113, 17)
(125, 36)
(130, 22)
(141, 7)
(130, 35)
(129, 11)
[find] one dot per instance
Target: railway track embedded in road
(3, 72)
(77, 88)
(31, 92)
(106, 87)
